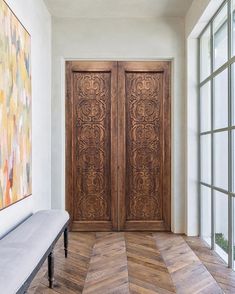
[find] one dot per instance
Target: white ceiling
(118, 8)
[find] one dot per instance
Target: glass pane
(221, 100)
(233, 28)
(206, 159)
(205, 54)
(233, 203)
(221, 224)
(233, 94)
(221, 160)
(205, 107)
(220, 34)
(233, 161)
(206, 214)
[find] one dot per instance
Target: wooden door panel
(118, 162)
(93, 193)
(91, 133)
(144, 146)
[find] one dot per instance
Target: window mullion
(230, 199)
(199, 139)
(212, 143)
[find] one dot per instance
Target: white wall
(37, 20)
(115, 39)
(120, 39)
(192, 199)
(199, 14)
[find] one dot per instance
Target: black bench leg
(66, 242)
(51, 269)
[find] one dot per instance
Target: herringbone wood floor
(135, 263)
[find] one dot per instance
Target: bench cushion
(22, 249)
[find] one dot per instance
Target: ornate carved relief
(92, 145)
(143, 134)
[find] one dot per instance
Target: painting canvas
(15, 109)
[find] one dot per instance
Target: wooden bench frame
(49, 254)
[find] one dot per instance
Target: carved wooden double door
(118, 165)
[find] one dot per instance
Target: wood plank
(108, 266)
(136, 263)
(70, 273)
(224, 276)
(188, 273)
(146, 269)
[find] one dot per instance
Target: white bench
(24, 249)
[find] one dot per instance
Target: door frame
(63, 61)
(163, 67)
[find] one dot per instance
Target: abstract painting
(15, 109)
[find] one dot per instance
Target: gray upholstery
(23, 248)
